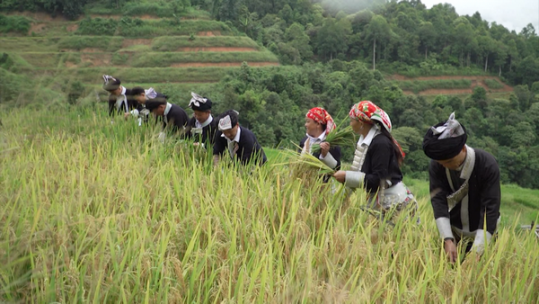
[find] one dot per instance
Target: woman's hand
(451, 250)
(340, 176)
(324, 148)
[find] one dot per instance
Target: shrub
(15, 24)
(97, 26)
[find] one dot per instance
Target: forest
(334, 54)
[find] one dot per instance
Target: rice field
(94, 212)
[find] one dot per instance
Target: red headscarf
(367, 112)
(322, 116)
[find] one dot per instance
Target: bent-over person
(236, 141)
(464, 187)
(202, 127)
(120, 99)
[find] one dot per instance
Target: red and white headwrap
(367, 112)
(321, 116)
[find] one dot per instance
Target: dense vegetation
(506, 128)
(334, 50)
(402, 36)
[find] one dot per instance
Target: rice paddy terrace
(145, 50)
(450, 84)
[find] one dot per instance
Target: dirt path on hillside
(220, 64)
(476, 81)
(441, 92)
(96, 60)
(209, 33)
(39, 16)
(37, 28)
(217, 49)
(130, 42)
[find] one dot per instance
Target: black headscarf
(110, 83)
(453, 139)
(200, 103)
(154, 104)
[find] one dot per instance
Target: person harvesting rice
(174, 117)
(318, 124)
(377, 161)
(142, 96)
(464, 186)
(202, 127)
(120, 99)
(236, 141)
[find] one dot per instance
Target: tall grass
(28, 44)
(138, 28)
(162, 59)
(99, 212)
(171, 43)
(106, 43)
(493, 84)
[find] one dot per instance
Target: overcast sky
(513, 14)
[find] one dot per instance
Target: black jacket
(131, 104)
(248, 148)
(380, 164)
(208, 132)
(176, 119)
(484, 193)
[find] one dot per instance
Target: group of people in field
(464, 182)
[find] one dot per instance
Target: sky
(513, 14)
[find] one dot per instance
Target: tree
(487, 46)
(295, 36)
(427, 36)
(528, 31)
(332, 38)
(377, 31)
(463, 34)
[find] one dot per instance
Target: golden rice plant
(343, 137)
(95, 212)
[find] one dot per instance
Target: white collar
(236, 138)
(317, 139)
(370, 136)
(167, 109)
(202, 125)
(468, 165)
(122, 98)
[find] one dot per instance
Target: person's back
(176, 118)
(173, 116)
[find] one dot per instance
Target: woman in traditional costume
(377, 161)
(318, 124)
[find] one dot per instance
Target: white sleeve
(328, 160)
(444, 227)
(354, 179)
(481, 238)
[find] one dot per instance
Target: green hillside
(145, 50)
